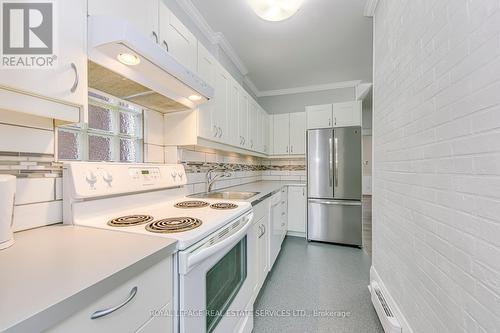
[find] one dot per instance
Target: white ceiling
(327, 41)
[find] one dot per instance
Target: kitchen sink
(228, 195)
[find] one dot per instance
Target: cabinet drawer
(154, 290)
(161, 322)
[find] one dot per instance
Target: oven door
(215, 288)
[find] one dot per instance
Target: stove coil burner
(191, 204)
(223, 205)
(174, 224)
(130, 220)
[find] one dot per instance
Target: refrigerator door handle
(330, 162)
(336, 162)
(338, 203)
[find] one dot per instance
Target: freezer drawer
(334, 221)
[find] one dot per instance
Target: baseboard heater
(384, 312)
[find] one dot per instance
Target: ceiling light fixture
(195, 98)
(275, 10)
(128, 59)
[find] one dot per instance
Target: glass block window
(113, 132)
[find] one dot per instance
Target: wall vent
(384, 312)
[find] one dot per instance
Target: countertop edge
(58, 312)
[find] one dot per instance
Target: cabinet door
(254, 266)
(252, 121)
(281, 133)
(264, 248)
(243, 120)
(319, 116)
(221, 103)
(297, 209)
(233, 113)
(298, 133)
(142, 14)
(265, 129)
(177, 39)
(207, 65)
(71, 35)
(347, 114)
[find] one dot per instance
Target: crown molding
(362, 90)
(216, 38)
(370, 7)
(313, 88)
(249, 83)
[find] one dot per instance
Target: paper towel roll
(7, 195)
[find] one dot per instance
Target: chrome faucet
(213, 175)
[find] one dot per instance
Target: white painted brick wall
(436, 186)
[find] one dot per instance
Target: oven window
(223, 281)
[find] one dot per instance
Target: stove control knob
(181, 175)
(173, 174)
(91, 178)
(107, 177)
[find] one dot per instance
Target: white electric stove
(213, 251)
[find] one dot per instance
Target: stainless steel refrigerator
(334, 185)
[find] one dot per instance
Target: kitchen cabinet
(319, 116)
(266, 132)
(281, 131)
(219, 114)
(243, 125)
(297, 210)
(207, 65)
(253, 122)
(347, 114)
(233, 113)
(289, 134)
(278, 224)
(59, 92)
(259, 242)
(334, 115)
(151, 290)
(142, 14)
(297, 133)
(176, 39)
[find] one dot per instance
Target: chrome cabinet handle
(283, 224)
(102, 313)
(336, 162)
(287, 149)
(155, 35)
(291, 149)
(261, 231)
(335, 121)
(216, 131)
(220, 132)
(330, 162)
(165, 44)
(264, 230)
(329, 121)
(77, 78)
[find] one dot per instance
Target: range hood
(156, 81)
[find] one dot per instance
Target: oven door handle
(191, 259)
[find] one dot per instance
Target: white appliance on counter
(213, 253)
(7, 198)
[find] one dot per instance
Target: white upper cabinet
(176, 39)
(347, 114)
(143, 14)
(219, 115)
(207, 65)
(281, 131)
(266, 121)
(298, 133)
(243, 120)
(319, 116)
(334, 115)
(233, 113)
(59, 92)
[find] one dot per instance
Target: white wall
(298, 102)
(437, 161)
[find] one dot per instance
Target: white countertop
(51, 272)
(265, 187)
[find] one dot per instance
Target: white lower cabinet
(297, 201)
(149, 291)
(259, 238)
